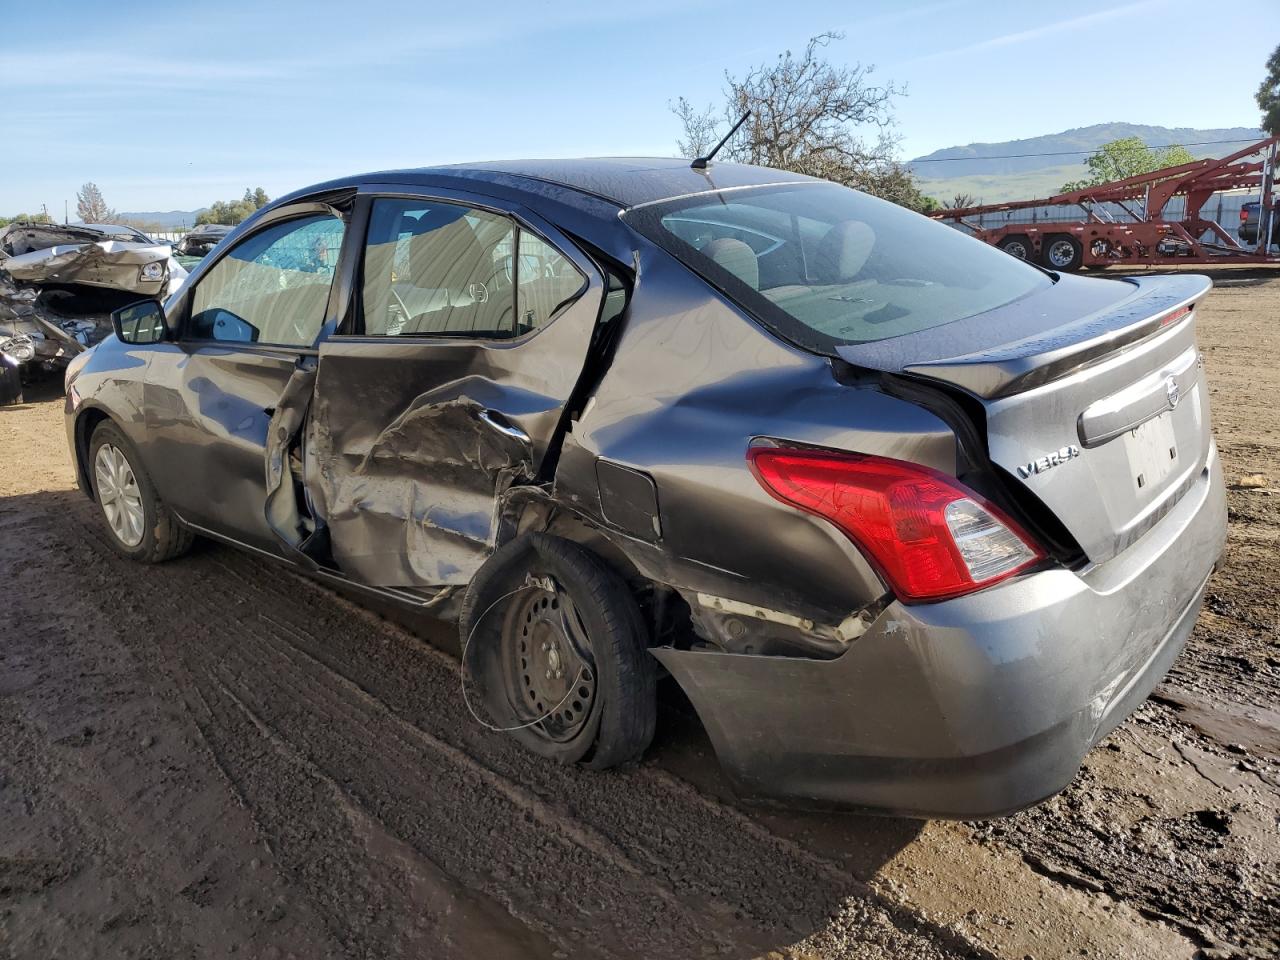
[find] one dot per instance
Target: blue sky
(171, 107)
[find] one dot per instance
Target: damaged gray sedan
(912, 523)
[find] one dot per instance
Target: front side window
(433, 268)
(827, 266)
(272, 288)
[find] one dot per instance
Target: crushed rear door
(1093, 395)
(414, 438)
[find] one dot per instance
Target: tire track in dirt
(97, 775)
(689, 883)
(649, 831)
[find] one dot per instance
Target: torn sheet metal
(419, 504)
(735, 626)
(147, 270)
(41, 330)
(59, 284)
(286, 511)
(412, 443)
(79, 254)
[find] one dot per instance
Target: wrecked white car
(87, 255)
(59, 284)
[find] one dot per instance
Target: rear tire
(138, 524)
(1018, 245)
(1062, 252)
(510, 623)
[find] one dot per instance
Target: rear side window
(272, 287)
(433, 268)
(825, 265)
(547, 281)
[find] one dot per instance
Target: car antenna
(701, 162)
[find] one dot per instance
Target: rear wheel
(555, 642)
(1062, 252)
(138, 523)
(1018, 245)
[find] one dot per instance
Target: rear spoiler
(1048, 343)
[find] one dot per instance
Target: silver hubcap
(119, 495)
(1017, 249)
(1061, 254)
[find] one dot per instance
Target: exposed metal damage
(416, 504)
(59, 284)
(40, 331)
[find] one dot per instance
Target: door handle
(496, 420)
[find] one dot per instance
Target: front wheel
(138, 523)
(1062, 252)
(554, 641)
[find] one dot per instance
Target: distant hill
(167, 219)
(994, 172)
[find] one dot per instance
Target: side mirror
(141, 322)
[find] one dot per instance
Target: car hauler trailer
(1124, 222)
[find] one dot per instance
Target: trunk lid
(1093, 396)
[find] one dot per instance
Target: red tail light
(929, 536)
(1244, 215)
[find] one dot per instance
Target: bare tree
(810, 116)
(90, 207)
(961, 201)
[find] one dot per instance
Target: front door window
(272, 288)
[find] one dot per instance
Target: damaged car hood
(107, 263)
(52, 254)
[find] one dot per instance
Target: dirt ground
(217, 756)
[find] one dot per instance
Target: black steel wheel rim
(548, 666)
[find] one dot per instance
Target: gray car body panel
(419, 458)
(974, 707)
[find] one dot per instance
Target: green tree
(1127, 158)
(91, 207)
(1269, 95)
(26, 218)
(232, 212)
(810, 116)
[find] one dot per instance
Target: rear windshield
(825, 265)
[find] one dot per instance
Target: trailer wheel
(1062, 252)
(1018, 245)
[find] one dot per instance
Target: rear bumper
(973, 707)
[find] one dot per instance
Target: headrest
(843, 251)
(736, 257)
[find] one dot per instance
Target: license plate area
(1152, 452)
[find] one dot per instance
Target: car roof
(108, 227)
(624, 181)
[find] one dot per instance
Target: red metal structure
(1098, 239)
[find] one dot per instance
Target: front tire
(138, 524)
(556, 644)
